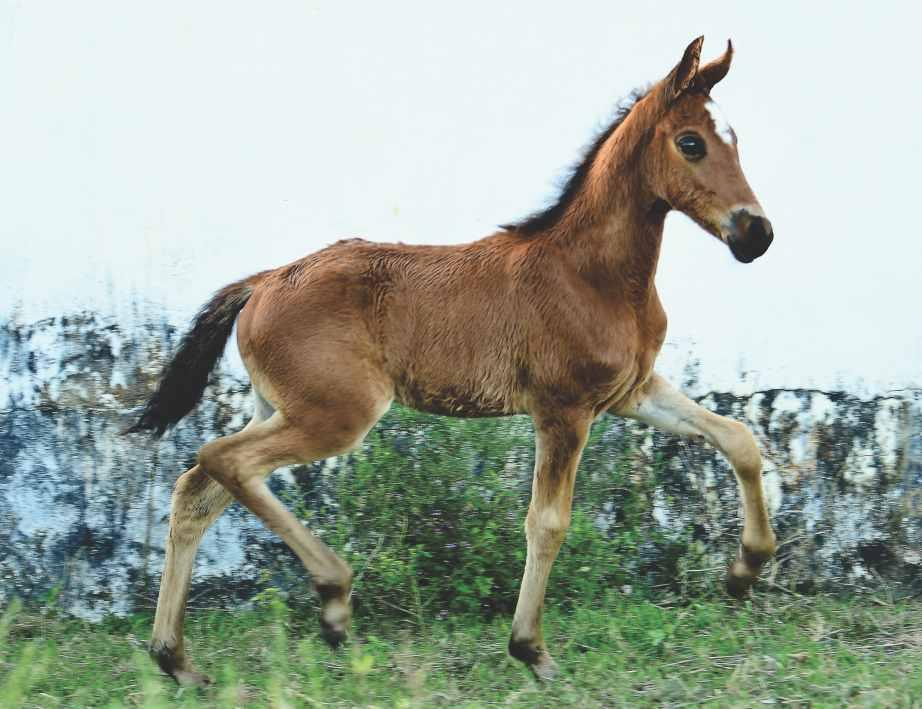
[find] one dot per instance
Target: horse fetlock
(337, 612)
(744, 571)
(757, 548)
(172, 661)
(535, 656)
(338, 590)
(757, 554)
(527, 650)
(168, 658)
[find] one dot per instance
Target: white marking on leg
(721, 125)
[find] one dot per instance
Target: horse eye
(692, 146)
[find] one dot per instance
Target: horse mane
(573, 183)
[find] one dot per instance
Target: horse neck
(617, 247)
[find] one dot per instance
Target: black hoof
(739, 586)
(333, 636)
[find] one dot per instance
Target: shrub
(430, 512)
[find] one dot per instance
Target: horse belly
(459, 395)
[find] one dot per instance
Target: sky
(155, 152)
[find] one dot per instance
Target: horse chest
(608, 366)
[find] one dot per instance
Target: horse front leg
(559, 443)
(663, 406)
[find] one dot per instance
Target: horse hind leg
(197, 502)
(241, 463)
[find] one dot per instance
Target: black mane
(551, 215)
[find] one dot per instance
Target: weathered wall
(84, 510)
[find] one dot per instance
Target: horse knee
(547, 528)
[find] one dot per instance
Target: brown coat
(556, 316)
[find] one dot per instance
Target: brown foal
(556, 317)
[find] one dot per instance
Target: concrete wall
(84, 510)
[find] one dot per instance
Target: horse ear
(683, 75)
(716, 70)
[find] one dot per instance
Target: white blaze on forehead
(721, 126)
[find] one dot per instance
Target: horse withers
(556, 316)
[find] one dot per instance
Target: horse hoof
(176, 666)
(333, 634)
(739, 580)
(537, 659)
(190, 678)
(545, 669)
(738, 587)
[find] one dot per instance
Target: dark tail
(184, 379)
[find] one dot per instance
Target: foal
(556, 316)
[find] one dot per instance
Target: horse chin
(741, 255)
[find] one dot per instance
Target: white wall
(160, 150)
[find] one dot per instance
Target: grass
(818, 652)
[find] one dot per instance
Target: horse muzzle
(748, 235)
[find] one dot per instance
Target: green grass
(797, 651)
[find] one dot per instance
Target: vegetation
(429, 514)
(623, 651)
